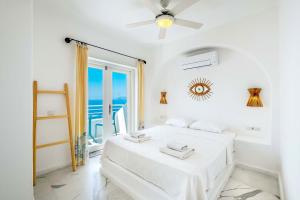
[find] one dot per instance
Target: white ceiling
(115, 14)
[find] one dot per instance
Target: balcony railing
(95, 120)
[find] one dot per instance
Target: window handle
(109, 109)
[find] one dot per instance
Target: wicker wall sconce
(163, 98)
(254, 99)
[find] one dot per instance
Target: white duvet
(188, 179)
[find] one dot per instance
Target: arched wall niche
(237, 71)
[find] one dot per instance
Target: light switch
(50, 112)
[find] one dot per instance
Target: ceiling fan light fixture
(164, 21)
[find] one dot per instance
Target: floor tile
(88, 184)
(258, 180)
(236, 190)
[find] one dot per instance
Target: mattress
(188, 179)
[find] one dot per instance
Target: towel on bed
(137, 140)
(177, 146)
(138, 135)
(178, 154)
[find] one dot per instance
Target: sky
(95, 84)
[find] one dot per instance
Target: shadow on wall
(235, 73)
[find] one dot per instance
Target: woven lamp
(163, 98)
(254, 99)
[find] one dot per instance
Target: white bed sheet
(188, 179)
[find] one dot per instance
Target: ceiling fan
(165, 18)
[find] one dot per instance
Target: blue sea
(100, 101)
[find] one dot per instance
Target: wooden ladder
(36, 118)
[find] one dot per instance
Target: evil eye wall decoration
(200, 89)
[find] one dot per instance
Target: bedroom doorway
(109, 100)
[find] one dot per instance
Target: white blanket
(188, 179)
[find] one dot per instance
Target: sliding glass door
(95, 104)
(109, 101)
(119, 101)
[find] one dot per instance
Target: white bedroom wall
(253, 49)
(231, 79)
(54, 64)
(16, 99)
(290, 96)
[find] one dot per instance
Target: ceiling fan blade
(184, 4)
(162, 33)
(152, 7)
(142, 23)
(187, 23)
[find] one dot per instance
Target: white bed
(146, 173)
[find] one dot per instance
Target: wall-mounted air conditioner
(206, 59)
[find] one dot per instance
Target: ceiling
(115, 14)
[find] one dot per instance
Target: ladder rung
(51, 117)
(51, 144)
(51, 92)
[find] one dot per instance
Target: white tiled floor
(256, 180)
(87, 184)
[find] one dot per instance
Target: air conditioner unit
(206, 59)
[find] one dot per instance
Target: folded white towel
(178, 154)
(177, 146)
(137, 140)
(138, 135)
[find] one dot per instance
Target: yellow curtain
(80, 103)
(140, 68)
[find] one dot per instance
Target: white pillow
(178, 122)
(207, 126)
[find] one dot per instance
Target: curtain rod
(69, 40)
